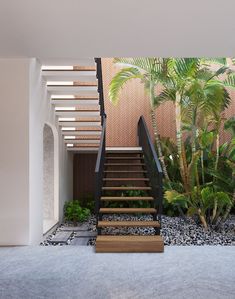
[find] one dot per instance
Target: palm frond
(119, 80)
(143, 64)
(165, 95)
(216, 60)
(230, 81)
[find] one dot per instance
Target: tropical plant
(74, 212)
(200, 97)
(150, 71)
(200, 174)
(210, 206)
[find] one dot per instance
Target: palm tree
(197, 93)
(150, 71)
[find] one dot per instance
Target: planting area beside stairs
(175, 231)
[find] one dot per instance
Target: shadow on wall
(50, 177)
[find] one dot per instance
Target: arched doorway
(50, 177)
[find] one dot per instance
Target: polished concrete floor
(77, 272)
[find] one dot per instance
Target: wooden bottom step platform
(108, 243)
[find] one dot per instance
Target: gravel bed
(175, 231)
(91, 223)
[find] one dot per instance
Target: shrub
(74, 212)
(212, 207)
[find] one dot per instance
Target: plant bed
(175, 231)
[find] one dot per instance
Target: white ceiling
(70, 29)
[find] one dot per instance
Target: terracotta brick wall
(122, 119)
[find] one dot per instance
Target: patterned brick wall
(122, 119)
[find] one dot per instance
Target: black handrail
(99, 168)
(100, 86)
(153, 165)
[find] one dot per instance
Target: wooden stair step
(86, 145)
(81, 120)
(126, 188)
(125, 171)
(128, 223)
(124, 158)
(83, 138)
(84, 68)
(85, 83)
(126, 198)
(123, 150)
(127, 210)
(95, 129)
(108, 243)
(76, 84)
(124, 164)
(78, 110)
(126, 179)
(78, 98)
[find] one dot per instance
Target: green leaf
(119, 80)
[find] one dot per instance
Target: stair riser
(129, 247)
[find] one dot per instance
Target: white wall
(42, 112)
(25, 108)
(14, 151)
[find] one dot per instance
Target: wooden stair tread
(107, 243)
(86, 145)
(78, 110)
(127, 210)
(77, 98)
(126, 198)
(82, 120)
(128, 223)
(124, 158)
(84, 68)
(83, 129)
(124, 164)
(83, 138)
(126, 188)
(75, 69)
(77, 84)
(125, 179)
(85, 83)
(126, 171)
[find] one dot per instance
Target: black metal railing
(152, 164)
(100, 86)
(99, 168)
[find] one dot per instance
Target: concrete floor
(77, 272)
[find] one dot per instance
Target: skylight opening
(69, 137)
(65, 108)
(67, 118)
(69, 145)
(58, 96)
(68, 129)
(57, 67)
(69, 83)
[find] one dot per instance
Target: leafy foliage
(199, 172)
(74, 212)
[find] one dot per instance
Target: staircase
(75, 96)
(132, 179)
